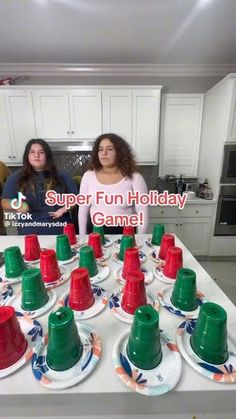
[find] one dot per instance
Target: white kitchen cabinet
(17, 125)
(134, 114)
(192, 225)
(180, 134)
(231, 132)
(117, 113)
(68, 114)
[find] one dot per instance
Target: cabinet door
(146, 116)
(180, 134)
(6, 154)
(52, 114)
(117, 113)
(171, 225)
(21, 116)
(231, 134)
(195, 234)
(86, 113)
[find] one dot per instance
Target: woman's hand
(58, 214)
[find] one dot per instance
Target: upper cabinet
(231, 132)
(62, 114)
(134, 114)
(17, 124)
(180, 134)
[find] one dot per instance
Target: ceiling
(193, 33)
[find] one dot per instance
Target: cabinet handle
(72, 132)
(68, 132)
(181, 224)
(162, 212)
(197, 211)
(176, 225)
(14, 157)
(9, 157)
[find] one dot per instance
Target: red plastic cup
(168, 240)
(131, 261)
(13, 343)
(129, 231)
(48, 265)
(134, 294)
(69, 230)
(94, 240)
(174, 261)
(81, 294)
(32, 248)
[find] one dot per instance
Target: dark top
(37, 207)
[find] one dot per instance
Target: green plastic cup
(144, 345)
(157, 233)
(100, 230)
(209, 339)
(126, 243)
(34, 294)
(63, 248)
(184, 295)
(64, 345)
(87, 260)
(14, 264)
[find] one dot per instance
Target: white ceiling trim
(53, 69)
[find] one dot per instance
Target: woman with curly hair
(112, 170)
(38, 175)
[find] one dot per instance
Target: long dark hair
(26, 179)
(124, 157)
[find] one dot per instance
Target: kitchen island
(102, 392)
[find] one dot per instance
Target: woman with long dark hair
(38, 175)
(113, 171)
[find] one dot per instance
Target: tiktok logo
(16, 203)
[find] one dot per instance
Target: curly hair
(124, 156)
(26, 179)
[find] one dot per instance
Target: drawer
(163, 212)
(196, 211)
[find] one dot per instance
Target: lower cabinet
(193, 230)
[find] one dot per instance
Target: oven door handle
(228, 199)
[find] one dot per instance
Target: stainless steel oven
(225, 224)
(228, 174)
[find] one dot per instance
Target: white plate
(5, 280)
(92, 349)
(164, 296)
(154, 256)
(33, 332)
(6, 292)
(225, 373)
(142, 257)
(31, 262)
(148, 243)
(152, 382)
(108, 242)
(103, 273)
(98, 305)
(65, 275)
(158, 273)
(79, 243)
(16, 303)
(138, 244)
(148, 275)
(105, 256)
(117, 310)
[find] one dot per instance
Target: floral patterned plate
(33, 332)
(148, 275)
(105, 256)
(98, 305)
(103, 273)
(108, 242)
(153, 382)
(164, 296)
(92, 349)
(16, 303)
(74, 257)
(142, 257)
(79, 243)
(225, 373)
(5, 280)
(154, 256)
(158, 273)
(6, 292)
(148, 243)
(120, 313)
(138, 244)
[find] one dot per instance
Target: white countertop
(102, 392)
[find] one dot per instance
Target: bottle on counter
(180, 185)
